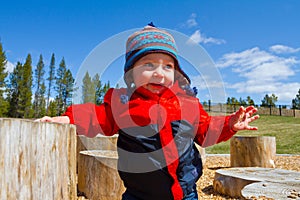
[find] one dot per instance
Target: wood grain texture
(256, 151)
(232, 181)
(288, 190)
(98, 176)
(38, 160)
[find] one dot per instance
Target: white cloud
(209, 88)
(263, 73)
(259, 64)
(285, 91)
(246, 59)
(279, 49)
(203, 82)
(197, 37)
(9, 67)
(191, 22)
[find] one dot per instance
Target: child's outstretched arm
(91, 119)
(58, 119)
(216, 129)
(240, 120)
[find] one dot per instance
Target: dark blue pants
(192, 196)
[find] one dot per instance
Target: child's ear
(181, 79)
(128, 78)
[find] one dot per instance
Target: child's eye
(149, 65)
(169, 67)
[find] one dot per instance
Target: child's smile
(155, 88)
(154, 71)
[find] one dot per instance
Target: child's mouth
(156, 85)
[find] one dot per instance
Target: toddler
(158, 119)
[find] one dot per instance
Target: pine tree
(103, 91)
(43, 101)
(20, 93)
(242, 102)
(250, 101)
(269, 100)
(93, 90)
(228, 101)
(64, 87)
(50, 80)
(39, 96)
(60, 74)
(88, 89)
(52, 108)
(296, 101)
(68, 88)
(26, 92)
(232, 101)
(99, 92)
(15, 82)
(3, 75)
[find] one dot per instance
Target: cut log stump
(37, 160)
(272, 190)
(98, 176)
(252, 151)
(202, 153)
(233, 181)
(99, 142)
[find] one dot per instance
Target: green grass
(285, 129)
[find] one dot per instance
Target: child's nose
(158, 72)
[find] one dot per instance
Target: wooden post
(98, 176)
(38, 160)
(256, 151)
(280, 114)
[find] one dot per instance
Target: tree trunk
(98, 176)
(248, 182)
(247, 151)
(38, 160)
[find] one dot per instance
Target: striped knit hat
(152, 40)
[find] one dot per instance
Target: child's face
(155, 72)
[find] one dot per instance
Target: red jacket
(164, 127)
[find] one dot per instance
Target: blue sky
(254, 45)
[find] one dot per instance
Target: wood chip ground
(214, 162)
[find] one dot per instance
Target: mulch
(215, 162)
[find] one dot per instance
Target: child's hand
(59, 119)
(241, 119)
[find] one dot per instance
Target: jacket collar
(166, 94)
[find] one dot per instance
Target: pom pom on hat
(148, 40)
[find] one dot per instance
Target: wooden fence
(278, 111)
